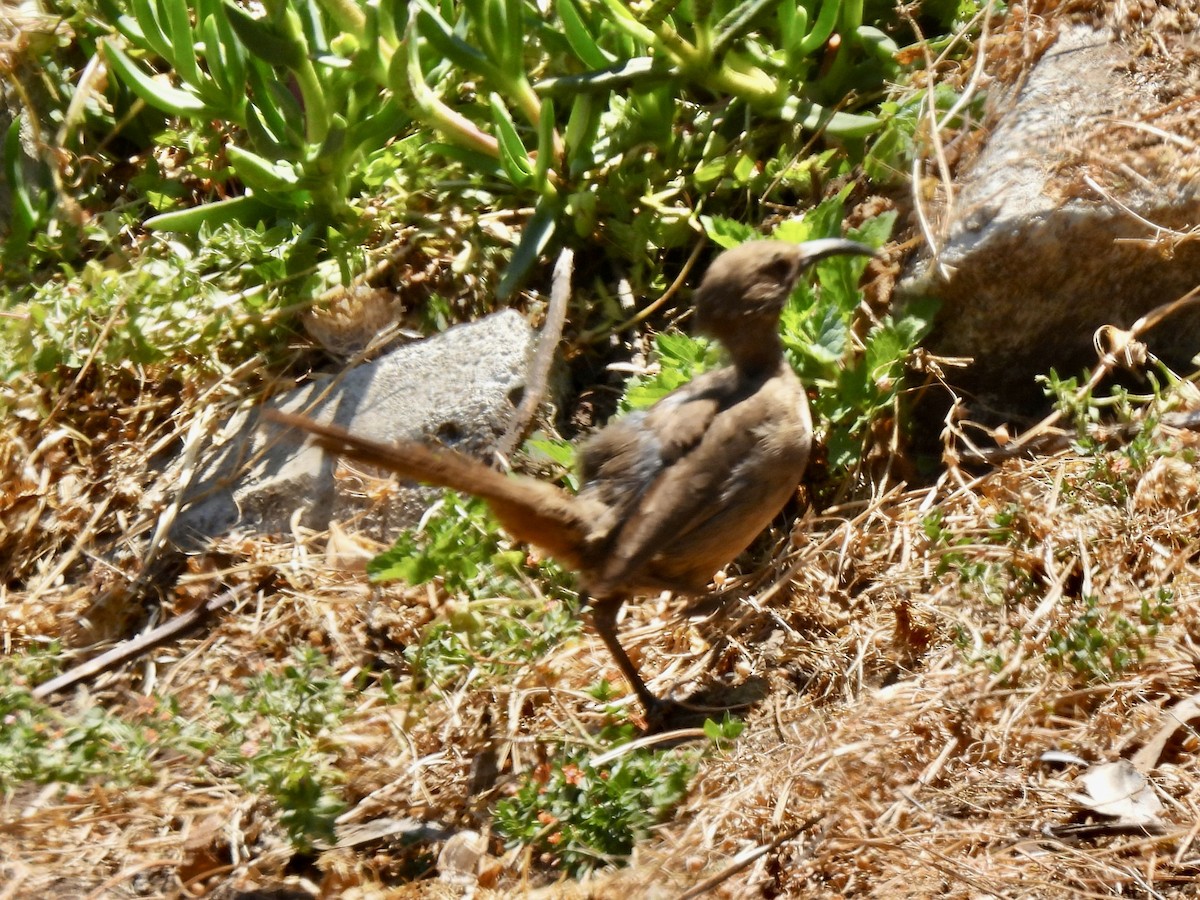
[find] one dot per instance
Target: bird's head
(750, 283)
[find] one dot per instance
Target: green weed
(277, 732)
(580, 817)
(1100, 644)
(188, 304)
(41, 744)
(459, 545)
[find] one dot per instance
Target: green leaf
(24, 215)
(265, 39)
(875, 231)
(158, 94)
(580, 38)
(433, 28)
(821, 30)
(814, 117)
(545, 157)
(260, 174)
(150, 28)
(744, 170)
(183, 45)
(580, 136)
(538, 232)
(232, 53)
(680, 359)
(246, 209)
(211, 37)
(513, 156)
(738, 21)
(727, 233)
(710, 171)
(267, 143)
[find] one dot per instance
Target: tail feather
(530, 510)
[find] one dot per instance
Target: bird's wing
(746, 453)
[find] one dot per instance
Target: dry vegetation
(907, 662)
(924, 676)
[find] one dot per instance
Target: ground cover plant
(908, 673)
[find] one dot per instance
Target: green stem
(437, 114)
(316, 110)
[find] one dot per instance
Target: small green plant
(459, 545)
(302, 86)
(725, 732)
(1100, 644)
(489, 639)
(581, 817)
(456, 543)
(43, 745)
(551, 104)
(277, 731)
(183, 305)
(975, 651)
(1116, 433)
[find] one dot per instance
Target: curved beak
(812, 251)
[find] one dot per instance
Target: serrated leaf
(727, 233)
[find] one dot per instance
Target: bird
(671, 494)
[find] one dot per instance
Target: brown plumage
(673, 493)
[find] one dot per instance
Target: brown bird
(671, 494)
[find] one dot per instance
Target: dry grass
(894, 653)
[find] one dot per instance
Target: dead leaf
(1175, 718)
(458, 863)
(1119, 790)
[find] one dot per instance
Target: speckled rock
(458, 388)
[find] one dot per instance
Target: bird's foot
(666, 715)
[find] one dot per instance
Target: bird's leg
(604, 620)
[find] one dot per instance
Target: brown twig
(138, 645)
(543, 356)
(742, 860)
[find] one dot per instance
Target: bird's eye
(779, 269)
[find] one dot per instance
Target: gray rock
(458, 388)
(1064, 223)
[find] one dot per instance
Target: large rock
(458, 388)
(1074, 214)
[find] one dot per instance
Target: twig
(1035, 436)
(644, 314)
(543, 355)
(138, 645)
(744, 859)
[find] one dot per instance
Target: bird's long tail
(530, 510)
